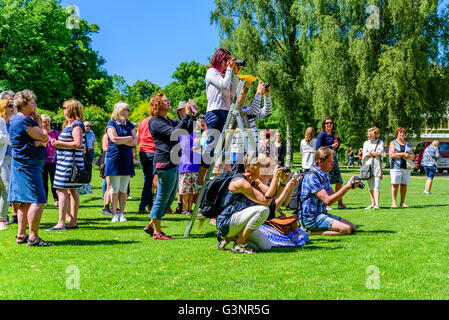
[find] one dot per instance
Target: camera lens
(241, 63)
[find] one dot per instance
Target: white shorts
(119, 184)
(400, 176)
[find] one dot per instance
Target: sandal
(38, 242)
(20, 240)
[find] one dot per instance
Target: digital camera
(240, 63)
(361, 184)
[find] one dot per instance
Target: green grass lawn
(119, 261)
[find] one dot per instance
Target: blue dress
(119, 158)
(26, 184)
(65, 158)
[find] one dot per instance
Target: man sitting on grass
(317, 193)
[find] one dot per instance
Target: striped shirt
(65, 158)
(254, 114)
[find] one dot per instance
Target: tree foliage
(38, 52)
(323, 59)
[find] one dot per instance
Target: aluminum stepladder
(236, 119)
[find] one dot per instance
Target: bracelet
(283, 185)
(269, 198)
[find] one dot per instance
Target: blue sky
(148, 39)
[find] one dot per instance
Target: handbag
(285, 223)
(366, 171)
(78, 175)
(410, 164)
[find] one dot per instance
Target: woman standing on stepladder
(221, 86)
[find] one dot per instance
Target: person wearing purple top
(188, 172)
(50, 163)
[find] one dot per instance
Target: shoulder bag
(367, 171)
(285, 223)
(78, 175)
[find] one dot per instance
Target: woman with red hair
(221, 86)
(162, 128)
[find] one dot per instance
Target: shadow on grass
(374, 231)
(308, 247)
(195, 235)
(326, 240)
(91, 242)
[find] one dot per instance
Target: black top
(161, 130)
(281, 153)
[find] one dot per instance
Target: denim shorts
(319, 222)
(430, 171)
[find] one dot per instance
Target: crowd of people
(175, 154)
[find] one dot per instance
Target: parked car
(443, 162)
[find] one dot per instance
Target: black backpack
(215, 192)
(295, 202)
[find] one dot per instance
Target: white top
(308, 151)
(370, 146)
(219, 90)
(4, 140)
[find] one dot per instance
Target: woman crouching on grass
(247, 208)
(161, 128)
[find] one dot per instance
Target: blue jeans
(167, 185)
(215, 121)
(146, 161)
(430, 171)
(104, 187)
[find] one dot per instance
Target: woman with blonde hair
(6, 111)
(373, 151)
(70, 148)
(430, 162)
(308, 149)
(119, 158)
(26, 188)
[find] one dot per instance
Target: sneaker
(107, 212)
(222, 242)
(122, 218)
(242, 248)
(369, 207)
(115, 218)
(427, 192)
(343, 208)
(376, 207)
(162, 236)
(129, 197)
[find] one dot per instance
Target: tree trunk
(289, 139)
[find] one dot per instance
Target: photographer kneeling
(317, 193)
(247, 208)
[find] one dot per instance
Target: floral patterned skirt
(186, 185)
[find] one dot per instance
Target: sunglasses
(328, 123)
(10, 106)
